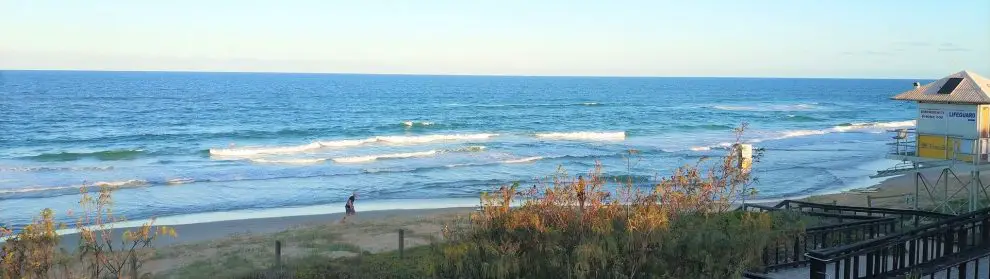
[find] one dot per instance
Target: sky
(759, 38)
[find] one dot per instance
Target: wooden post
(278, 255)
(402, 244)
(134, 269)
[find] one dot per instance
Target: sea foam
(523, 160)
(862, 127)
(394, 140)
(290, 161)
(370, 158)
(589, 136)
(866, 127)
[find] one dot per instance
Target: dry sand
(218, 248)
(898, 192)
(222, 248)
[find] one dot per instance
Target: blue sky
(761, 38)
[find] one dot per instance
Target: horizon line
(455, 74)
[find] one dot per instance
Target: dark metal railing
(791, 252)
(856, 224)
(963, 265)
(907, 217)
(856, 210)
(839, 217)
(898, 254)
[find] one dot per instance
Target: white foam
(36, 189)
(431, 138)
(473, 148)
(592, 136)
(177, 181)
(872, 127)
(118, 184)
(254, 151)
(290, 161)
(522, 160)
(112, 184)
(370, 158)
(345, 143)
(414, 123)
(396, 140)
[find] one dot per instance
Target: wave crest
(417, 124)
(255, 151)
(592, 136)
(523, 160)
(866, 127)
(290, 161)
(370, 158)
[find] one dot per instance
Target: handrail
(893, 254)
(911, 212)
(959, 261)
(851, 224)
(810, 213)
(826, 253)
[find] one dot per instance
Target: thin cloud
(953, 49)
(867, 53)
(913, 44)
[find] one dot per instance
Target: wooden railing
(929, 248)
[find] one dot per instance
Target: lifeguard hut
(952, 135)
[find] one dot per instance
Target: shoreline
(210, 231)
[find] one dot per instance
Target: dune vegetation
(33, 251)
(590, 225)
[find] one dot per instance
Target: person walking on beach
(349, 207)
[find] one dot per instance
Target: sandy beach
(211, 249)
(898, 192)
(241, 246)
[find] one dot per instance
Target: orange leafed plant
(590, 226)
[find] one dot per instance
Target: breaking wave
(298, 161)
(523, 160)
(75, 188)
(591, 136)
(417, 123)
(370, 158)
(862, 127)
(871, 127)
(255, 151)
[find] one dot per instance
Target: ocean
(176, 144)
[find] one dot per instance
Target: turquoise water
(184, 143)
